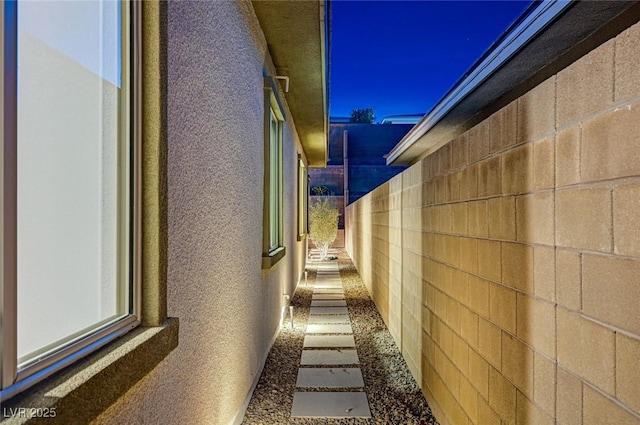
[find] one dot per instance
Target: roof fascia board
(513, 42)
(296, 39)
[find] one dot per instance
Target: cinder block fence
(507, 263)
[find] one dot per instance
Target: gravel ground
(394, 397)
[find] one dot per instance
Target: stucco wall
(229, 308)
(518, 260)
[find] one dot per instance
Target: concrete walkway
(336, 363)
(329, 358)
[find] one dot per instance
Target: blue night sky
(401, 57)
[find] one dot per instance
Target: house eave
(296, 34)
(532, 49)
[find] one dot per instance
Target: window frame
(303, 199)
(273, 110)
(14, 378)
(275, 180)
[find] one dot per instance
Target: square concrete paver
(328, 286)
(329, 357)
(328, 310)
(330, 405)
(325, 267)
(329, 341)
(315, 377)
(328, 303)
(329, 329)
(328, 291)
(331, 292)
(328, 318)
(327, 297)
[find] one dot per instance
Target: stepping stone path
(329, 358)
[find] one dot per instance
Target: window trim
(275, 207)
(9, 361)
(12, 379)
(303, 199)
(272, 105)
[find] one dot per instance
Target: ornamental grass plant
(323, 225)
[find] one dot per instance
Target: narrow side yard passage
(338, 364)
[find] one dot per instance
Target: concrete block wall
(519, 256)
(332, 177)
(411, 269)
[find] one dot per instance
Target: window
(69, 167)
(275, 142)
(273, 249)
(303, 196)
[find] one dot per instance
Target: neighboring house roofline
(402, 119)
(535, 47)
